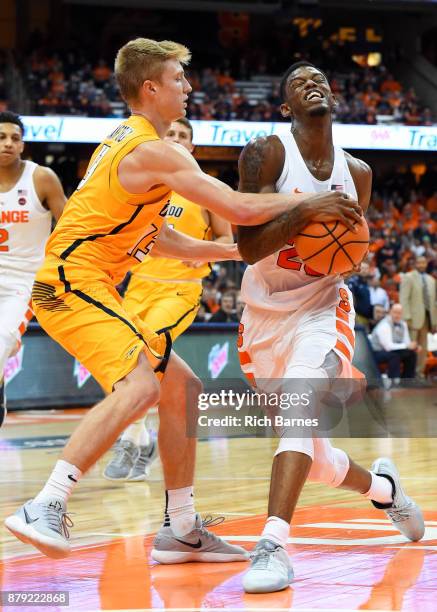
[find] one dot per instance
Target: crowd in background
(69, 83)
(363, 95)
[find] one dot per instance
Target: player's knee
(330, 465)
(296, 445)
(195, 385)
(140, 396)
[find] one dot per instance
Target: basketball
(331, 248)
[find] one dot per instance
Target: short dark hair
(10, 117)
(184, 121)
(291, 69)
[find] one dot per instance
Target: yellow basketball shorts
(163, 306)
(81, 309)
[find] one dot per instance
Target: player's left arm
(174, 244)
(362, 177)
(50, 191)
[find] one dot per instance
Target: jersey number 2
(286, 260)
(4, 235)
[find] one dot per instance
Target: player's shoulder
(47, 183)
(44, 173)
(358, 166)
(264, 147)
(263, 152)
(160, 152)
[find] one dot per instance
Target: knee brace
(330, 465)
(297, 445)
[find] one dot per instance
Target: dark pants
(394, 360)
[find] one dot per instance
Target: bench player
(167, 293)
(300, 325)
(110, 222)
(30, 195)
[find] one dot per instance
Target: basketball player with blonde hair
(113, 219)
(299, 324)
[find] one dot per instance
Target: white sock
(277, 530)
(61, 483)
(134, 432)
(381, 490)
(145, 436)
(179, 512)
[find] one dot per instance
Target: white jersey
(281, 282)
(24, 226)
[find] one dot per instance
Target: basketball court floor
(346, 555)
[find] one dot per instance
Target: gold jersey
(104, 226)
(187, 218)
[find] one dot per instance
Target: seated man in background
(392, 344)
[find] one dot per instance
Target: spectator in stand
(389, 251)
(378, 295)
(431, 204)
(209, 297)
(390, 84)
(417, 247)
(427, 226)
(359, 286)
(226, 312)
(379, 313)
(418, 295)
(101, 73)
(391, 344)
(426, 118)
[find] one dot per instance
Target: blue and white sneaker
(44, 525)
(270, 569)
(404, 513)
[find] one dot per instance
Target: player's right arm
(159, 162)
(260, 166)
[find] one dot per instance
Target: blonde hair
(142, 59)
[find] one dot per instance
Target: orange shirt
(391, 85)
(410, 224)
(431, 204)
(103, 226)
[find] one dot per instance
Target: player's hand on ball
(335, 206)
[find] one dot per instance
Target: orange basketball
(330, 248)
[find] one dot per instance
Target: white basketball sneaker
(44, 525)
(270, 569)
(198, 545)
(404, 513)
